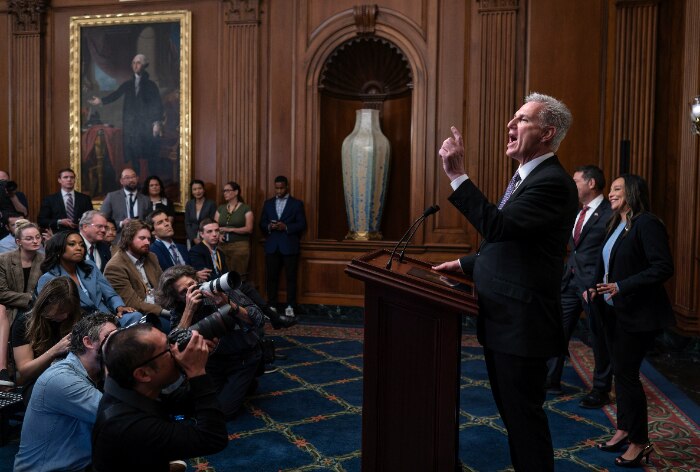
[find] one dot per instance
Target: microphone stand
(428, 211)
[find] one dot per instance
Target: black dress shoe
(595, 399)
(553, 388)
(637, 461)
(279, 321)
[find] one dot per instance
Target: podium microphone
(428, 211)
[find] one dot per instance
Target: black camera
(218, 323)
(7, 186)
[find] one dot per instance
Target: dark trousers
(628, 350)
(232, 379)
(273, 267)
(516, 384)
(572, 305)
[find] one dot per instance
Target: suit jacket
(114, 206)
(517, 271)
(165, 259)
(287, 242)
(98, 294)
(191, 221)
(12, 291)
(105, 251)
(582, 263)
(53, 209)
(640, 263)
(200, 256)
(126, 280)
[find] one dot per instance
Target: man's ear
(548, 134)
(142, 374)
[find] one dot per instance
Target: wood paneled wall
(257, 110)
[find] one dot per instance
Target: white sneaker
(289, 311)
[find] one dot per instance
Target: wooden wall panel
(686, 237)
(634, 91)
(567, 59)
(5, 110)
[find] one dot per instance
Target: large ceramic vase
(366, 154)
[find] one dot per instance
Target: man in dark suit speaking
(63, 209)
(517, 270)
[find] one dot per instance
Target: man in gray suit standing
(585, 246)
(126, 204)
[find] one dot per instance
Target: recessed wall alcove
(364, 72)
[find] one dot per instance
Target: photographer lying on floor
(235, 360)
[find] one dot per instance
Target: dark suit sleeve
(467, 264)
(654, 243)
(298, 224)
(46, 218)
(522, 218)
(198, 258)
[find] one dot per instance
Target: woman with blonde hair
(19, 273)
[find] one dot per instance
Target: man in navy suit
(282, 222)
(517, 269)
(585, 244)
(93, 227)
(54, 209)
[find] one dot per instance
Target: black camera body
(218, 323)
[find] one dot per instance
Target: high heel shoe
(615, 447)
(637, 461)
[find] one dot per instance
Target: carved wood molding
(486, 6)
(498, 69)
(636, 32)
(365, 18)
(243, 12)
(28, 15)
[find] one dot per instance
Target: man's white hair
(554, 113)
(141, 58)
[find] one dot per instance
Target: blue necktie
(510, 189)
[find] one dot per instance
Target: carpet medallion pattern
(307, 415)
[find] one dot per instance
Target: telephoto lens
(227, 282)
(213, 326)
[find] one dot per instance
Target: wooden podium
(412, 354)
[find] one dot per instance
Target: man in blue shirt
(57, 427)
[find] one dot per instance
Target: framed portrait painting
(130, 101)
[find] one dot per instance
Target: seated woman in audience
(42, 334)
(197, 208)
(154, 189)
(635, 262)
(65, 255)
(19, 273)
(235, 220)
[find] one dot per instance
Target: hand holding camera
(193, 358)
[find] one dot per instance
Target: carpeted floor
(306, 416)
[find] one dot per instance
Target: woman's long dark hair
(60, 291)
(636, 199)
(55, 247)
(146, 183)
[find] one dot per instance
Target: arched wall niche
(364, 72)
(326, 125)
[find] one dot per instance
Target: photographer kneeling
(137, 427)
(235, 360)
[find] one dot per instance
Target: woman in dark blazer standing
(636, 261)
(197, 208)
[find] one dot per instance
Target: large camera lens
(213, 326)
(227, 282)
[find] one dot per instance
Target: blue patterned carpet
(307, 415)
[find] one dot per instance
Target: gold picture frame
(127, 130)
